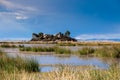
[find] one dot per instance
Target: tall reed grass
(8, 46)
(11, 64)
(37, 49)
(84, 43)
(1, 53)
(67, 73)
(66, 44)
(62, 50)
(55, 49)
(112, 51)
(105, 51)
(86, 51)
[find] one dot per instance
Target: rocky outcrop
(49, 37)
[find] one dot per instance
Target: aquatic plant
(55, 49)
(62, 50)
(113, 51)
(1, 53)
(37, 49)
(66, 44)
(67, 73)
(8, 46)
(11, 64)
(86, 51)
(105, 51)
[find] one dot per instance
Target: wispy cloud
(11, 5)
(11, 13)
(8, 23)
(98, 36)
(19, 11)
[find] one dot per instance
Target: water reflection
(47, 68)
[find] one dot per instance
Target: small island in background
(50, 37)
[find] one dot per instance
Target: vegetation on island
(105, 50)
(6, 45)
(55, 49)
(112, 51)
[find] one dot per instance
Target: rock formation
(49, 37)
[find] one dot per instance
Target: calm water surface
(49, 60)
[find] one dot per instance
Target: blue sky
(85, 19)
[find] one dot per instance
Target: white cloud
(98, 36)
(16, 6)
(8, 23)
(19, 11)
(11, 14)
(21, 17)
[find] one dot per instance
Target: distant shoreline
(64, 43)
(79, 40)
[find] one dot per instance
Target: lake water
(49, 62)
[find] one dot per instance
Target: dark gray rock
(49, 37)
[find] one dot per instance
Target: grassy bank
(10, 64)
(8, 46)
(106, 50)
(87, 43)
(66, 43)
(113, 51)
(67, 73)
(57, 50)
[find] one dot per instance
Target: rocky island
(50, 37)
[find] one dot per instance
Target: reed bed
(55, 49)
(112, 51)
(84, 43)
(11, 64)
(67, 73)
(1, 53)
(86, 51)
(67, 43)
(105, 51)
(8, 46)
(62, 50)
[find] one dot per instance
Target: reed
(87, 43)
(113, 51)
(67, 73)
(11, 64)
(38, 49)
(1, 53)
(105, 51)
(86, 51)
(62, 50)
(66, 44)
(55, 49)
(8, 46)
